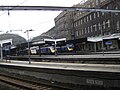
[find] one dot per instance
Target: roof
(16, 39)
(94, 39)
(100, 38)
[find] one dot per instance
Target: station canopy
(45, 39)
(94, 39)
(105, 37)
(40, 38)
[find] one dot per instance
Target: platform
(67, 75)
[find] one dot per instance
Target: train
(66, 48)
(52, 49)
(42, 50)
(46, 50)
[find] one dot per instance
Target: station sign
(108, 43)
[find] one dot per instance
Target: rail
(72, 59)
(14, 83)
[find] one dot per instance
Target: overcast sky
(40, 21)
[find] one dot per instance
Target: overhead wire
(37, 24)
(9, 15)
(14, 7)
(23, 2)
(23, 27)
(2, 13)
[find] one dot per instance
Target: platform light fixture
(27, 31)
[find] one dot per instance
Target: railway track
(93, 60)
(12, 83)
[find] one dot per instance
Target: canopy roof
(100, 38)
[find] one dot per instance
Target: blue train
(52, 50)
(48, 50)
(66, 48)
(43, 50)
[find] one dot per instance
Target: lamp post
(102, 41)
(1, 51)
(27, 31)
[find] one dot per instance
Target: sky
(38, 21)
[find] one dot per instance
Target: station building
(89, 29)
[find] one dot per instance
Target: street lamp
(102, 40)
(27, 31)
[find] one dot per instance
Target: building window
(95, 27)
(116, 8)
(89, 6)
(94, 15)
(98, 14)
(90, 17)
(102, 0)
(93, 4)
(85, 31)
(79, 13)
(84, 20)
(91, 28)
(75, 25)
(82, 32)
(81, 21)
(97, 2)
(88, 30)
(107, 7)
(99, 26)
(103, 24)
(87, 19)
(103, 13)
(118, 25)
(108, 23)
(77, 33)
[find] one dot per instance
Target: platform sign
(108, 43)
